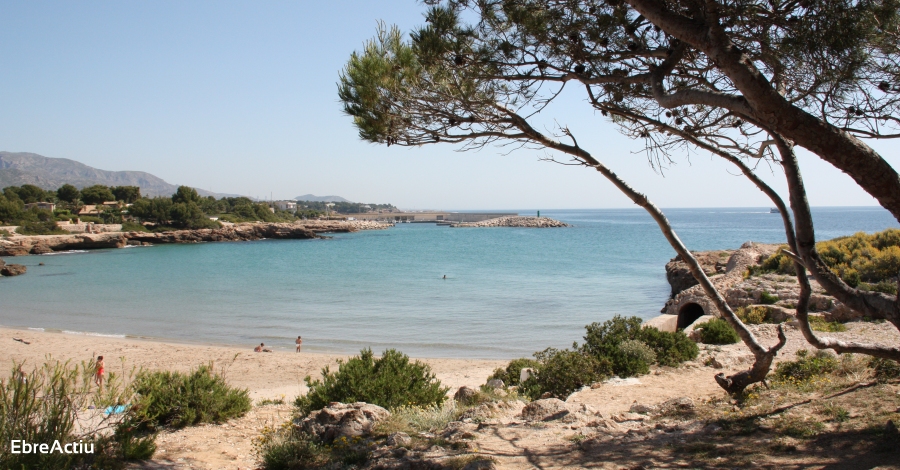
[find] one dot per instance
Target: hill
(18, 168)
(314, 198)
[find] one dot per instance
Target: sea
(508, 292)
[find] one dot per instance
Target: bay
(508, 292)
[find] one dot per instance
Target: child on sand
(261, 348)
(98, 377)
(299, 343)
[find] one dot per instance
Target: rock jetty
(530, 222)
(19, 245)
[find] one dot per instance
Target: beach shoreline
(272, 375)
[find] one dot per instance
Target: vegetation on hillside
(869, 262)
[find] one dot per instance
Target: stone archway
(689, 313)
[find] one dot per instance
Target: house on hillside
(286, 206)
(47, 206)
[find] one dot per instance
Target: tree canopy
(743, 79)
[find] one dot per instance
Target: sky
(241, 97)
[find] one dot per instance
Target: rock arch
(689, 313)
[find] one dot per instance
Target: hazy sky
(240, 97)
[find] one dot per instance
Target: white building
(286, 206)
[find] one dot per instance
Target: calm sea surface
(508, 292)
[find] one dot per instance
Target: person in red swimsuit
(98, 377)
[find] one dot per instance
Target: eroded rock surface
(343, 420)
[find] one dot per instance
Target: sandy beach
(266, 375)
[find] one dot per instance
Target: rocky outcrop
(11, 269)
(342, 420)
(547, 409)
(680, 277)
(18, 245)
(775, 295)
(530, 222)
(231, 232)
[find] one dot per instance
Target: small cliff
(777, 294)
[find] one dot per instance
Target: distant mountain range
(314, 198)
(21, 168)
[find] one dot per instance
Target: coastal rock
(11, 269)
(19, 245)
(343, 420)
(398, 439)
(546, 409)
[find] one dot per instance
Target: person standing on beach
(299, 343)
(98, 376)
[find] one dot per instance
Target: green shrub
(89, 219)
(885, 369)
(856, 259)
(767, 298)
(634, 358)
(807, 366)
(48, 227)
(888, 286)
(820, 324)
(175, 399)
(133, 227)
(512, 373)
(561, 372)
(753, 315)
(603, 340)
(671, 348)
(389, 381)
(717, 331)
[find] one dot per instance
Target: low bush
(48, 227)
(513, 371)
(133, 227)
(820, 324)
(175, 399)
(671, 348)
(885, 369)
(856, 259)
(767, 298)
(291, 450)
(561, 372)
(634, 358)
(888, 286)
(752, 315)
(389, 381)
(603, 340)
(806, 366)
(89, 219)
(717, 331)
(419, 419)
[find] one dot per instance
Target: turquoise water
(508, 292)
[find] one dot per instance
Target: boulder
(41, 249)
(398, 439)
(343, 420)
(641, 408)
(465, 394)
(663, 323)
(495, 383)
(12, 269)
(678, 404)
(545, 409)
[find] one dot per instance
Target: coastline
(267, 375)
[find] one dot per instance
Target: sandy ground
(279, 375)
(267, 375)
